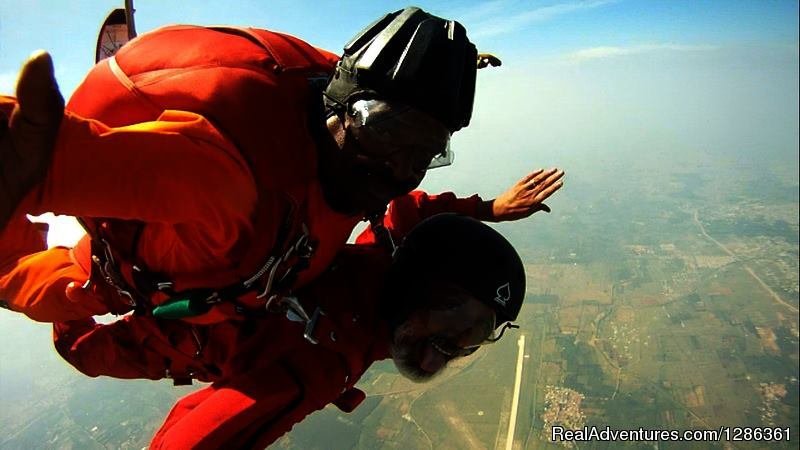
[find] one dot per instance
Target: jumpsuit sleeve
(178, 174)
(178, 169)
(19, 238)
(122, 349)
(33, 279)
(247, 410)
(406, 212)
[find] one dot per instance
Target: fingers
(544, 185)
(534, 188)
(542, 175)
(487, 59)
(547, 192)
(37, 91)
(552, 178)
(527, 178)
(542, 179)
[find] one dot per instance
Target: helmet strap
(382, 235)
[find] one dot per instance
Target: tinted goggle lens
(377, 124)
(443, 159)
(444, 346)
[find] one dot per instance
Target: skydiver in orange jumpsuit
(214, 172)
(453, 285)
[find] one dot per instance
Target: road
(512, 420)
(747, 268)
(461, 429)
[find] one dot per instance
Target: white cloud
(496, 25)
(612, 52)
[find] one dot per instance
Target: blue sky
(516, 29)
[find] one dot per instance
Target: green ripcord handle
(180, 308)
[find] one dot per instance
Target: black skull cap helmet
(412, 57)
(466, 252)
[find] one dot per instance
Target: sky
(582, 30)
(584, 84)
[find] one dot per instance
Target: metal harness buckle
(296, 313)
(110, 273)
(302, 247)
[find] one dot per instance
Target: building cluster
(562, 408)
(621, 343)
(771, 395)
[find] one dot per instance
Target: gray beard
(405, 354)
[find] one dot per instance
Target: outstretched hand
(527, 196)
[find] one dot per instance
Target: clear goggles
(443, 159)
(444, 346)
(396, 128)
(482, 332)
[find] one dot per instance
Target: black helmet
(466, 252)
(412, 57)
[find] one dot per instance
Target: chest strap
(266, 281)
(150, 293)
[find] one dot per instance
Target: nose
(432, 361)
(407, 170)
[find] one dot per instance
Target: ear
(336, 125)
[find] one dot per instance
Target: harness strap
(109, 270)
(199, 301)
(382, 234)
(323, 329)
(138, 286)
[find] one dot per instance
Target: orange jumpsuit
(33, 279)
(192, 226)
(265, 376)
(204, 137)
